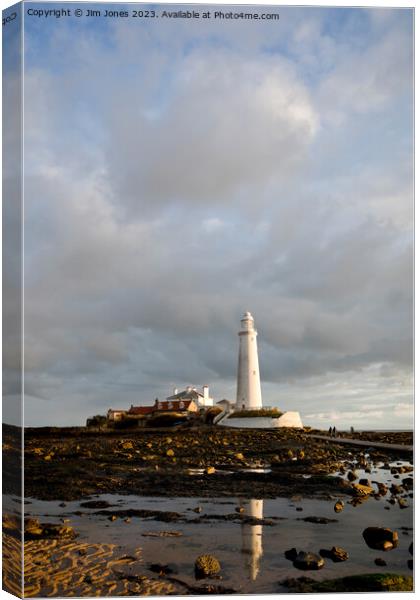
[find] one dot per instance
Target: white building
(115, 414)
(201, 398)
(248, 391)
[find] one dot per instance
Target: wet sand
(69, 568)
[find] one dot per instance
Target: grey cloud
(232, 121)
(193, 204)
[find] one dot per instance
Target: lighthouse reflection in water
(252, 536)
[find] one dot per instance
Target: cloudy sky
(179, 173)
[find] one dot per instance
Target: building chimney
(206, 392)
(175, 391)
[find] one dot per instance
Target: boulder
(351, 476)
(336, 554)
(338, 506)
(408, 482)
(291, 554)
(380, 562)
(308, 561)
(382, 488)
(36, 530)
(362, 490)
(33, 528)
(206, 565)
(380, 538)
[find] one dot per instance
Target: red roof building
(141, 410)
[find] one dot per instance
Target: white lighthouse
(248, 393)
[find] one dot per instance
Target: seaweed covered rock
(308, 561)
(206, 565)
(336, 554)
(371, 582)
(362, 490)
(35, 530)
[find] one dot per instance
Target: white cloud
(368, 79)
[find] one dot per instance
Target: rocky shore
(190, 462)
(77, 465)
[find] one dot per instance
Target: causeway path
(365, 443)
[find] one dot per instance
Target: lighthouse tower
(248, 393)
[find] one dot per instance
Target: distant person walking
(330, 431)
(334, 432)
